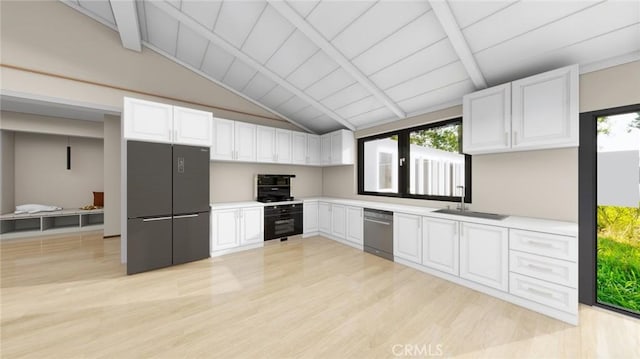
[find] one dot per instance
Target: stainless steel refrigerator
(167, 205)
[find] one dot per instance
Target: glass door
(618, 211)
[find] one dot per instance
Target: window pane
(381, 165)
(436, 164)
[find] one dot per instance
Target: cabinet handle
(539, 268)
(540, 244)
(186, 216)
(155, 219)
(540, 292)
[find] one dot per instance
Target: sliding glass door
(618, 211)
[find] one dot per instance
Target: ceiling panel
(364, 105)
(380, 21)
(427, 59)
(584, 25)
(419, 34)
(317, 67)
(162, 29)
(302, 7)
(308, 113)
(191, 47)
(292, 105)
(236, 20)
(259, 86)
(369, 118)
(330, 84)
(468, 12)
(238, 75)
(331, 17)
(277, 96)
(101, 8)
(346, 96)
(142, 20)
(443, 76)
(294, 52)
(437, 97)
(204, 12)
(216, 61)
(518, 19)
(322, 124)
(268, 34)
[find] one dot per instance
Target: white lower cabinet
(310, 220)
(236, 227)
(355, 225)
(484, 255)
(440, 243)
(548, 294)
(407, 237)
(324, 217)
(338, 221)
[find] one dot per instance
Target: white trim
(610, 62)
(126, 16)
(108, 110)
(288, 13)
(443, 13)
(200, 29)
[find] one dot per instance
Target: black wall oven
(282, 221)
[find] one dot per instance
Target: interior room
(333, 179)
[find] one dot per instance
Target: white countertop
(231, 205)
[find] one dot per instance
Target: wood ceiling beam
(219, 41)
(126, 16)
(443, 13)
(303, 26)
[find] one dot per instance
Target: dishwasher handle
(379, 222)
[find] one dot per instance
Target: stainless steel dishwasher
(378, 233)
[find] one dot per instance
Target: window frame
(404, 171)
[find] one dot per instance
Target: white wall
(232, 182)
(41, 175)
(111, 175)
(7, 195)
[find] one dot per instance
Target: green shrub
(619, 223)
(619, 273)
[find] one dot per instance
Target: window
(421, 162)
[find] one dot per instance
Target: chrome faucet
(461, 188)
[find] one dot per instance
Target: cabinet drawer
(546, 244)
(549, 294)
(549, 269)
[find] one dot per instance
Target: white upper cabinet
(537, 112)
(266, 144)
(484, 255)
(283, 146)
(407, 237)
(313, 150)
(299, 148)
(545, 110)
(490, 126)
(192, 127)
(147, 121)
(233, 141)
(440, 244)
(337, 148)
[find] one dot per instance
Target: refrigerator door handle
(186, 216)
(155, 219)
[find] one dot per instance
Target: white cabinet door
(310, 223)
(224, 229)
(266, 144)
(222, 147)
(299, 148)
(147, 121)
(338, 221)
(407, 237)
(192, 127)
(336, 148)
(245, 142)
(325, 149)
(440, 244)
(486, 120)
(251, 225)
(283, 146)
(324, 217)
(355, 225)
(545, 110)
(313, 149)
(484, 255)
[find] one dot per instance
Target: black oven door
(282, 221)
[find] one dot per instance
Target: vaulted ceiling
(354, 64)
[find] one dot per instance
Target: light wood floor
(314, 298)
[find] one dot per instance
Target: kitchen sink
(472, 214)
